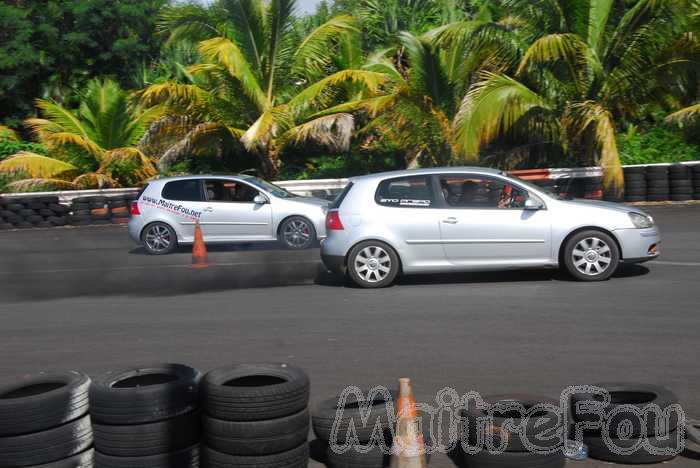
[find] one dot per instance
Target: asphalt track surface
(89, 299)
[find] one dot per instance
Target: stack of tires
(255, 416)
(628, 419)
(680, 179)
(147, 417)
(44, 422)
(347, 414)
(657, 183)
(696, 181)
(29, 212)
(635, 184)
(592, 187)
(98, 210)
(515, 451)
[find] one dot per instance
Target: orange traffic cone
(408, 450)
(199, 250)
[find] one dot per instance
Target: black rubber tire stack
(44, 422)
(119, 210)
(696, 181)
(147, 417)
(639, 396)
(99, 211)
(592, 187)
(515, 451)
(32, 211)
(80, 211)
(5, 215)
(327, 412)
(658, 188)
(255, 416)
(635, 184)
(680, 178)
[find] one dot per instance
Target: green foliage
(659, 144)
(9, 147)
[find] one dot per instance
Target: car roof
(428, 171)
(201, 176)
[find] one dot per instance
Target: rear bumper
(335, 263)
(639, 245)
(135, 226)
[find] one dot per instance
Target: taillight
(135, 209)
(333, 222)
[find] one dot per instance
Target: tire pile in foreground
(256, 416)
(46, 211)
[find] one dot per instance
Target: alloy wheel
(372, 264)
(591, 256)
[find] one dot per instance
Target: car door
(485, 224)
(231, 214)
(407, 205)
(183, 200)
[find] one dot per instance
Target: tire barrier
(97, 210)
(625, 427)
(255, 415)
(44, 422)
(146, 417)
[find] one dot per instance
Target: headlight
(641, 221)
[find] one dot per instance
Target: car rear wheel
(159, 239)
(297, 233)
(591, 256)
(373, 264)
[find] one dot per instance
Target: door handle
(208, 209)
(450, 221)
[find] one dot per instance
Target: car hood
(310, 201)
(602, 204)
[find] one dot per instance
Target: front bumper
(639, 245)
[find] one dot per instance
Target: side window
(182, 190)
(232, 191)
(465, 191)
(406, 192)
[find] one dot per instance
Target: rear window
(183, 190)
(406, 192)
(341, 196)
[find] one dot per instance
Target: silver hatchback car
(228, 208)
(468, 218)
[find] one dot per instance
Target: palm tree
(93, 146)
(587, 65)
(259, 83)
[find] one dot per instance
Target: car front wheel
(297, 233)
(373, 264)
(591, 256)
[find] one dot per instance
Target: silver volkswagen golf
(468, 218)
(228, 208)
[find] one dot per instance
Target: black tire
(5, 226)
(139, 440)
(302, 234)
(324, 417)
(681, 183)
(692, 431)
(36, 205)
(186, 458)
(613, 256)
(252, 392)
(657, 198)
(117, 203)
(78, 220)
(46, 446)
(640, 396)
(6, 213)
(15, 207)
(23, 225)
(57, 220)
(45, 212)
(373, 457)
(484, 459)
(26, 212)
(153, 251)
(353, 265)
(43, 401)
(80, 207)
(547, 422)
(599, 450)
(85, 459)
(682, 190)
(658, 185)
(298, 457)
(147, 394)
(256, 437)
(635, 198)
(656, 169)
(35, 219)
(58, 208)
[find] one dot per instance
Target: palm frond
(248, 28)
(137, 164)
(8, 133)
(36, 166)
(599, 12)
(315, 53)
(373, 106)
(40, 184)
(490, 109)
(205, 138)
(188, 22)
(225, 52)
(426, 75)
(62, 127)
(279, 25)
(270, 124)
(94, 180)
(684, 115)
(190, 98)
(332, 131)
(567, 48)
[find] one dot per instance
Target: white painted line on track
(662, 262)
(154, 267)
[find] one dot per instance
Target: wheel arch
(566, 239)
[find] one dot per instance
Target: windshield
(547, 191)
(279, 192)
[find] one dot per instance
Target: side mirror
(260, 199)
(533, 205)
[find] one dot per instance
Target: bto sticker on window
(406, 202)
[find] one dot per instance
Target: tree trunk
(269, 159)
